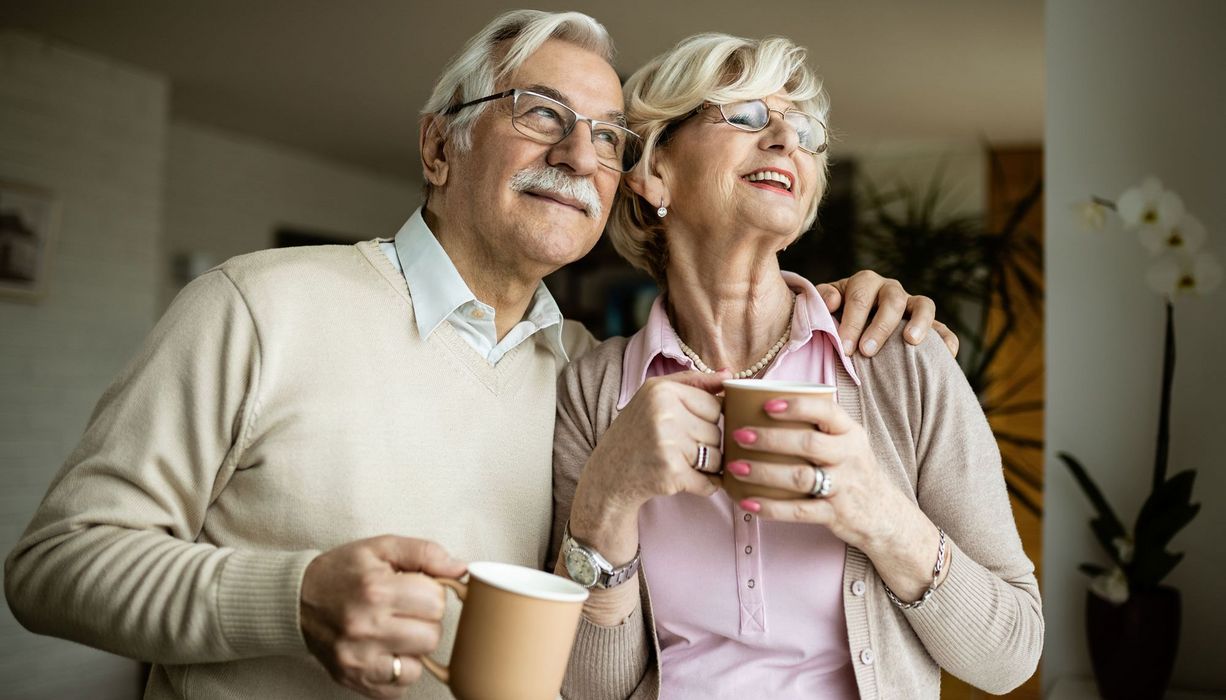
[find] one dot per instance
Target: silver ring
(823, 484)
(396, 669)
(704, 455)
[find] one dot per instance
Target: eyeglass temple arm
(456, 108)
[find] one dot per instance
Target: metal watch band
(609, 576)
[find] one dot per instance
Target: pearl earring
(662, 211)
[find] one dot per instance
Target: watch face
(581, 568)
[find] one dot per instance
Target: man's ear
(433, 144)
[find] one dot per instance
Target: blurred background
(142, 143)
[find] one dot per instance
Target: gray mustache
(557, 181)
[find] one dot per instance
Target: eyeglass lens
(754, 115)
(548, 121)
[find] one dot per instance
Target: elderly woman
(897, 558)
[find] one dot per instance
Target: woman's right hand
(649, 450)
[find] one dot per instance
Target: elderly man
(223, 515)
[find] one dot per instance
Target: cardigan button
(866, 656)
(857, 588)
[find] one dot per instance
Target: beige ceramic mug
(515, 633)
(743, 401)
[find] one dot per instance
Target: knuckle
(797, 511)
(800, 479)
(410, 669)
(860, 298)
(812, 442)
(355, 626)
(348, 665)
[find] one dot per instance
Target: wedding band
(395, 669)
(822, 483)
(704, 454)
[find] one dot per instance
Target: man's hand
(367, 602)
(860, 293)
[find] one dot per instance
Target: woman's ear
(650, 184)
(433, 144)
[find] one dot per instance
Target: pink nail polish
(751, 506)
(775, 406)
(745, 436)
(738, 468)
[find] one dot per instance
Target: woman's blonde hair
(715, 68)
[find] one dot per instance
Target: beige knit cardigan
(984, 624)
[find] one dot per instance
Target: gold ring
(395, 668)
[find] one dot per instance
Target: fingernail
(738, 468)
(775, 405)
(848, 347)
(745, 436)
(751, 506)
(913, 333)
(870, 347)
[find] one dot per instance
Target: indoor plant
(1132, 619)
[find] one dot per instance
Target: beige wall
(1133, 88)
(94, 132)
(135, 188)
(226, 194)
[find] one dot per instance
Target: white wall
(226, 194)
(93, 132)
(135, 188)
(1134, 88)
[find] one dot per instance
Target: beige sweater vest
(284, 405)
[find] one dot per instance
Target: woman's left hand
(864, 508)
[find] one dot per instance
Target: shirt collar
(657, 339)
(437, 290)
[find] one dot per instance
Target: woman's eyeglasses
(755, 115)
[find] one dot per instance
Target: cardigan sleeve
(984, 624)
(607, 662)
(111, 558)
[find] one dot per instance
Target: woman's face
(724, 179)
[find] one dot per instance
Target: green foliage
(964, 265)
(1166, 511)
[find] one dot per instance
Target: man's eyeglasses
(545, 120)
(755, 115)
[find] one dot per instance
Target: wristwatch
(589, 569)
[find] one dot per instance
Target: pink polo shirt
(744, 608)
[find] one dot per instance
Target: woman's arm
(985, 622)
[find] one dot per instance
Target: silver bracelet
(936, 574)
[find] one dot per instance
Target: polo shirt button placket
(866, 656)
(857, 588)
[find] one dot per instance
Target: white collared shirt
(440, 294)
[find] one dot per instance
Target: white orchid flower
(1111, 586)
(1092, 214)
(1178, 275)
(1123, 548)
(1186, 236)
(1149, 204)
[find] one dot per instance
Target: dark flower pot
(1132, 646)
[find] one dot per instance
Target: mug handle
(436, 669)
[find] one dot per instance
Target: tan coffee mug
(515, 633)
(743, 401)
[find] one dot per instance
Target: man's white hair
(496, 52)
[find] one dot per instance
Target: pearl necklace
(753, 369)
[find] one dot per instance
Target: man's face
(530, 231)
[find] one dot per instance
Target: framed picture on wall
(29, 216)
